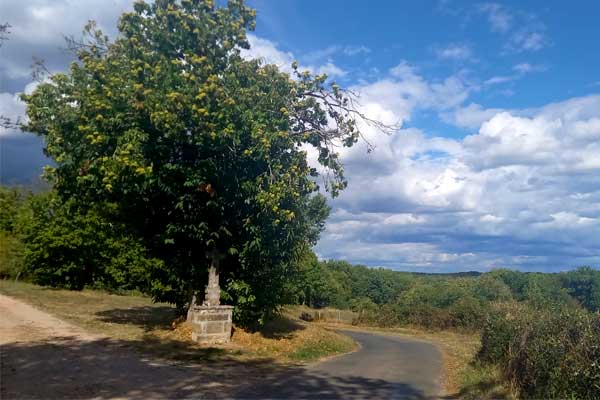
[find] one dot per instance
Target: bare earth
(43, 357)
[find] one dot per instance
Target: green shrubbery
(11, 256)
(66, 247)
(545, 353)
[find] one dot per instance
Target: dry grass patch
(288, 340)
(136, 321)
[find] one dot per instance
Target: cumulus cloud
(269, 52)
(520, 192)
(470, 116)
(38, 30)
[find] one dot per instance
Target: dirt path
(42, 357)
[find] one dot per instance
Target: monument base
(210, 324)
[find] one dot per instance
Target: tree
(68, 247)
(194, 148)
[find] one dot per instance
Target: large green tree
(195, 148)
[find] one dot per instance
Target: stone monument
(211, 321)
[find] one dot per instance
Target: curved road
(386, 366)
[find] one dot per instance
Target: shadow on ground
(148, 317)
(281, 327)
(70, 368)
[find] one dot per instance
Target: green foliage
(583, 284)
(11, 256)
(184, 144)
(10, 202)
(546, 353)
(318, 286)
(69, 248)
(11, 248)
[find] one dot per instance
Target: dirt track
(43, 357)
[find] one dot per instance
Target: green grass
(484, 382)
(326, 347)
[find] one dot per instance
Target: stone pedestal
(210, 324)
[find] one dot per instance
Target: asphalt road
(385, 367)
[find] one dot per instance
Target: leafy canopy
(168, 130)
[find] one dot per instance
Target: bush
(11, 256)
(468, 313)
(551, 353)
(65, 247)
(499, 330)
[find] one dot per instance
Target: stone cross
(212, 294)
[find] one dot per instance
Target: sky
(497, 157)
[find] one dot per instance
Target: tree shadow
(68, 367)
(281, 327)
(306, 384)
(146, 317)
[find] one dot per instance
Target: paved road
(385, 367)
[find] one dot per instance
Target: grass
(484, 382)
(147, 326)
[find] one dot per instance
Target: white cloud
(525, 40)
(39, 26)
(11, 107)
(520, 192)
(524, 31)
(499, 79)
(356, 50)
(470, 116)
(499, 18)
(454, 52)
(520, 70)
(525, 68)
(331, 70)
(268, 51)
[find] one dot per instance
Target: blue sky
(497, 157)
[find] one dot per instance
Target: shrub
(11, 256)
(551, 353)
(71, 248)
(468, 313)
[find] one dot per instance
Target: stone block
(211, 324)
